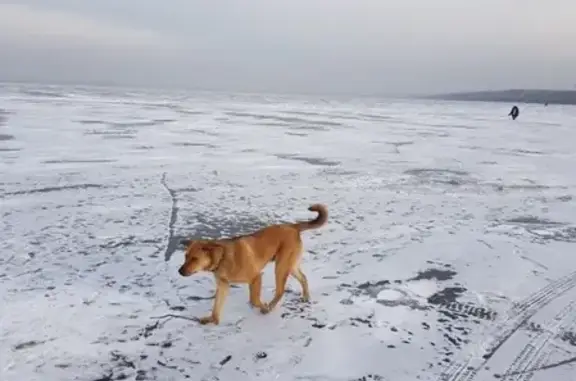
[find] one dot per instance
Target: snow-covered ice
(449, 253)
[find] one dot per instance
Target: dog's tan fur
(242, 259)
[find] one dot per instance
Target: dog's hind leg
(282, 271)
(301, 278)
(255, 289)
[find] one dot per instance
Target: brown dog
(242, 259)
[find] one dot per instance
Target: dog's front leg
(222, 288)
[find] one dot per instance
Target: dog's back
(273, 239)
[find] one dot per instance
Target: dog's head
(201, 256)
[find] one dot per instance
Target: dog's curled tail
(318, 221)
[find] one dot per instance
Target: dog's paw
(264, 309)
(208, 319)
(258, 305)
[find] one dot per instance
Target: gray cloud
(364, 46)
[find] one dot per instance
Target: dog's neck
(214, 265)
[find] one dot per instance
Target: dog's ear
(188, 246)
(216, 253)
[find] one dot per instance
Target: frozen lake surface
(449, 253)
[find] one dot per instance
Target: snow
(451, 236)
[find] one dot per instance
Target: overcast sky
(323, 46)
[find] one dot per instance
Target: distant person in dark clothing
(514, 112)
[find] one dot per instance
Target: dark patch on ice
(468, 309)
(446, 296)
(531, 152)
(374, 117)
(303, 113)
(147, 331)
(57, 189)
(121, 360)
(225, 360)
(43, 93)
(203, 132)
(435, 134)
(79, 161)
(368, 288)
(335, 171)
(144, 147)
(142, 123)
(370, 285)
(518, 152)
(438, 274)
(112, 134)
(28, 344)
(270, 124)
(10, 149)
(441, 176)
(309, 128)
(120, 367)
(309, 160)
(260, 355)
(365, 321)
(91, 121)
(532, 220)
(346, 302)
(370, 377)
(533, 327)
(529, 187)
(187, 190)
(196, 298)
(285, 119)
(397, 145)
(543, 230)
(296, 133)
(429, 171)
(5, 137)
(403, 300)
(184, 111)
(118, 136)
(569, 337)
(107, 377)
(189, 144)
(567, 234)
(459, 126)
(471, 147)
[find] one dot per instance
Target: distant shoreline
(559, 97)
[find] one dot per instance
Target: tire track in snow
(536, 351)
(467, 369)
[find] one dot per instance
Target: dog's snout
(181, 271)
